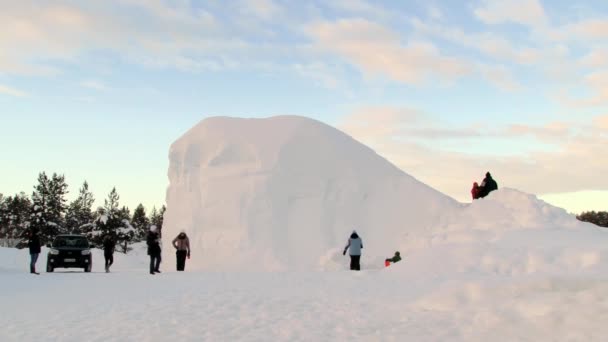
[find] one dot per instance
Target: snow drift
(284, 193)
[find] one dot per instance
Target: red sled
(387, 263)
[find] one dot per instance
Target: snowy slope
(285, 192)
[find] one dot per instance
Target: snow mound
(284, 193)
(280, 193)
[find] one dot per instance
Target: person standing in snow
(182, 246)
(154, 250)
(354, 245)
(475, 191)
(109, 244)
(34, 246)
(488, 185)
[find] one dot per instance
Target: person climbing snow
(34, 246)
(475, 191)
(182, 246)
(154, 250)
(354, 245)
(109, 244)
(394, 259)
(488, 185)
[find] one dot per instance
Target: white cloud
(36, 35)
(92, 84)
(12, 91)
(525, 12)
(490, 44)
(375, 49)
(435, 12)
(567, 167)
(500, 76)
(596, 58)
(264, 9)
(362, 7)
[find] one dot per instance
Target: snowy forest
(48, 211)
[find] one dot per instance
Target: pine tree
(18, 214)
(40, 208)
(58, 189)
(79, 216)
(49, 205)
(3, 217)
(140, 222)
(125, 232)
(111, 219)
(156, 219)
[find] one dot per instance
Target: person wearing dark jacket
(488, 185)
(108, 250)
(34, 246)
(354, 245)
(182, 246)
(154, 250)
(395, 258)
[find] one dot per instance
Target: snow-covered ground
(268, 205)
(520, 288)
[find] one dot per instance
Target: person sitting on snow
(395, 258)
(488, 185)
(475, 191)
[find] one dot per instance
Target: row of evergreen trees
(599, 218)
(48, 211)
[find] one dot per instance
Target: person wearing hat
(154, 250)
(354, 246)
(182, 246)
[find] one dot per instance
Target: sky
(446, 90)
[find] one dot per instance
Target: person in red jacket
(475, 191)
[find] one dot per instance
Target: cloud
(263, 9)
(377, 50)
(551, 132)
(596, 58)
(36, 37)
(535, 170)
(12, 91)
(359, 7)
(525, 12)
(404, 124)
(490, 44)
(92, 84)
(323, 74)
(589, 29)
(601, 123)
(501, 77)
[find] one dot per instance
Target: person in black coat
(109, 244)
(488, 185)
(34, 246)
(154, 251)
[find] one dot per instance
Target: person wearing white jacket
(354, 245)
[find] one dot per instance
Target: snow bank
(281, 193)
(284, 193)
